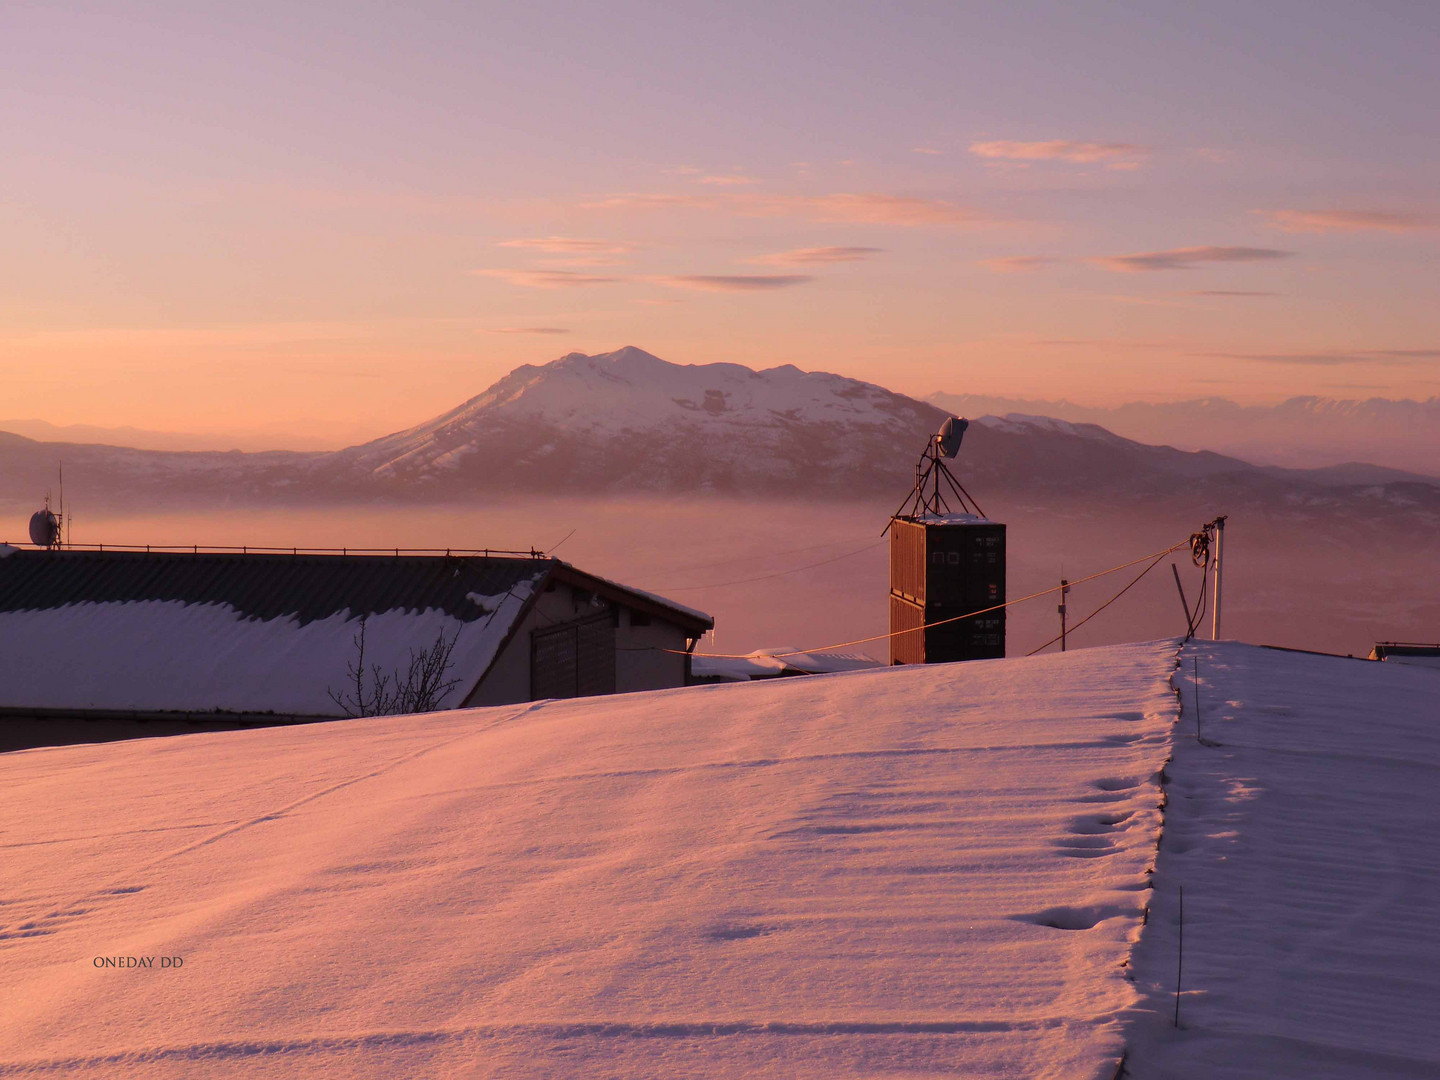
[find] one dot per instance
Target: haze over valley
(699, 478)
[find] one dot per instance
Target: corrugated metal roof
(265, 586)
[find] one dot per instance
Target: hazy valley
(693, 481)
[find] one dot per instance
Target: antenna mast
(935, 484)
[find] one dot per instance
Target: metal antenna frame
(932, 471)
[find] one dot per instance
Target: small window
(639, 618)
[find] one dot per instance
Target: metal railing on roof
(252, 549)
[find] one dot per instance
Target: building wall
(639, 662)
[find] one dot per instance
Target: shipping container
(943, 570)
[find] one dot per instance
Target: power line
(1155, 556)
(1107, 603)
(768, 576)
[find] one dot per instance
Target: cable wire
(1107, 603)
(776, 574)
(1156, 556)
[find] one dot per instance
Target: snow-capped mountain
(629, 421)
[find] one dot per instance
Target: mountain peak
(625, 356)
(623, 418)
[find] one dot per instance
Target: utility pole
(1219, 544)
(1064, 589)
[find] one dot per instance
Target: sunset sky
(343, 219)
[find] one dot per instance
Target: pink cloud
(568, 245)
(818, 256)
(550, 279)
(876, 209)
(1323, 221)
(732, 282)
(865, 208)
(1112, 155)
(1186, 258)
(1019, 264)
(728, 181)
(528, 330)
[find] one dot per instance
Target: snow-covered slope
(628, 420)
(907, 872)
(1301, 824)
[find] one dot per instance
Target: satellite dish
(44, 528)
(951, 432)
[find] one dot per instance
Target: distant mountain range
(1303, 431)
(629, 422)
(322, 437)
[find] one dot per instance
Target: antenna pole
(1219, 544)
(1064, 588)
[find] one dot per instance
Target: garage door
(575, 659)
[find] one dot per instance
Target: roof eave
(686, 620)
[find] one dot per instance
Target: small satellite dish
(44, 528)
(951, 432)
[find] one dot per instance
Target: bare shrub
(372, 691)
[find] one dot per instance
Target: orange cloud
(818, 256)
(568, 245)
(528, 330)
(1018, 264)
(732, 282)
(550, 279)
(652, 201)
(1112, 155)
(864, 208)
(1323, 221)
(875, 209)
(728, 181)
(1186, 258)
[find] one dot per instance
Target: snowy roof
(929, 870)
(863, 876)
(768, 663)
(1300, 824)
(957, 518)
(256, 633)
(260, 585)
(246, 633)
(690, 618)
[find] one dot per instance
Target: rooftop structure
(947, 566)
(266, 637)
